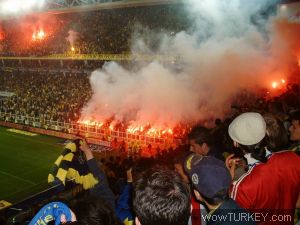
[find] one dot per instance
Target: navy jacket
(101, 189)
(230, 213)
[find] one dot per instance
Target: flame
(72, 49)
(135, 129)
(90, 123)
(147, 129)
(274, 84)
(39, 35)
(278, 84)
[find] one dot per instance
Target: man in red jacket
(271, 186)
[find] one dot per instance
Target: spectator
(202, 143)
(198, 209)
(124, 206)
(91, 211)
(268, 172)
(295, 131)
(211, 182)
(276, 132)
(161, 198)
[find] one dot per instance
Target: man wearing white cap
(272, 184)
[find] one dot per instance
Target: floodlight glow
(17, 6)
(11, 6)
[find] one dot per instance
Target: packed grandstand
(105, 99)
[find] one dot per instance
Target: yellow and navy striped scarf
(69, 166)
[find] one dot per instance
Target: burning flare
(38, 35)
(145, 130)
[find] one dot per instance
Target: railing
(99, 57)
(90, 131)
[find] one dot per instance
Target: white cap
(248, 128)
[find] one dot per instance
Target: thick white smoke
(225, 53)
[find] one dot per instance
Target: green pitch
(24, 163)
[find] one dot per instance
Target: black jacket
(230, 213)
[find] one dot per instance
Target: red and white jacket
(270, 188)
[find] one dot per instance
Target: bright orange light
(72, 49)
(274, 84)
(146, 130)
(39, 35)
(2, 36)
(90, 123)
(135, 129)
(283, 81)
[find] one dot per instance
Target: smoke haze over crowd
(230, 47)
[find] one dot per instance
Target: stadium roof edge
(97, 5)
(112, 5)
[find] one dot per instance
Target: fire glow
(38, 35)
(145, 130)
(278, 84)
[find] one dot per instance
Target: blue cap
(207, 174)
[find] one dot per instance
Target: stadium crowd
(246, 164)
(195, 184)
(218, 164)
(53, 97)
(88, 33)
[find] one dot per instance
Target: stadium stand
(40, 92)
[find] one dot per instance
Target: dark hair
(182, 153)
(218, 122)
(277, 134)
(90, 211)
(161, 198)
(218, 198)
(258, 151)
(295, 116)
(201, 135)
(275, 107)
(140, 166)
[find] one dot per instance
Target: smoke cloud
(230, 47)
(72, 37)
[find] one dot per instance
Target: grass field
(25, 162)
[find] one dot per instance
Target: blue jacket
(124, 207)
(101, 189)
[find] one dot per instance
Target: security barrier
(94, 134)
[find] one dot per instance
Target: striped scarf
(72, 165)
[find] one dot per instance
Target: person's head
(200, 140)
(248, 131)
(91, 211)
(111, 159)
(295, 126)
(141, 165)
(210, 178)
(276, 132)
(218, 122)
(275, 107)
(161, 198)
